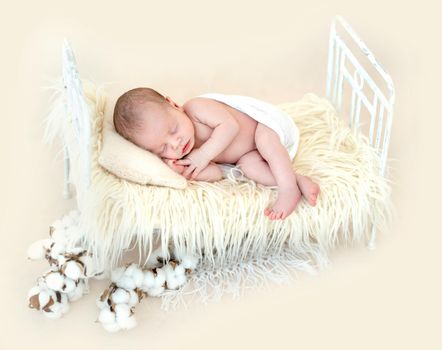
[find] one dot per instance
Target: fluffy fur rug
(224, 222)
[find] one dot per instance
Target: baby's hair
(127, 111)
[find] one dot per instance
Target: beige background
(275, 50)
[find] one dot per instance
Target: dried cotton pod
(126, 282)
(126, 322)
(54, 280)
(69, 285)
(138, 277)
(78, 292)
(117, 273)
(120, 296)
(148, 281)
(37, 250)
(106, 316)
(73, 270)
(160, 278)
(155, 291)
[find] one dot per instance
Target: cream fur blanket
(223, 222)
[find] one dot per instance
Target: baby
(191, 139)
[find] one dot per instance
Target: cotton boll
(64, 304)
(116, 274)
(69, 285)
(89, 266)
(57, 249)
(120, 296)
(55, 281)
(172, 282)
(155, 292)
(53, 314)
(37, 250)
(127, 322)
(33, 291)
(106, 316)
(77, 293)
(168, 269)
(61, 260)
(111, 327)
(130, 269)
(138, 277)
(126, 282)
(122, 310)
(153, 257)
(75, 250)
(189, 262)
(148, 281)
(73, 270)
(180, 270)
(101, 304)
(43, 298)
(181, 279)
(133, 298)
(160, 278)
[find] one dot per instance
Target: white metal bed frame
(342, 66)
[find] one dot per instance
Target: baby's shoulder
(197, 103)
(199, 107)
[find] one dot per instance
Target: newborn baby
(191, 139)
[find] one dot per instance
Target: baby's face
(168, 133)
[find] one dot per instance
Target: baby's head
(154, 123)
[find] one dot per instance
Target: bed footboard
(358, 90)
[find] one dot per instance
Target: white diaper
(266, 114)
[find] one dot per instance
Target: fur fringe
(208, 284)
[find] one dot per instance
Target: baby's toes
(284, 215)
(276, 215)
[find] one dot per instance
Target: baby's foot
(286, 202)
(309, 189)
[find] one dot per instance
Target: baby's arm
(210, 173)
(225, 126)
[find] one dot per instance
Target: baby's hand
(195, 161)
(172, 164)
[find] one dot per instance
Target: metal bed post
(380, 108)
(78, 111)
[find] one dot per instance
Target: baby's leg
(270, 147)
(256, 168)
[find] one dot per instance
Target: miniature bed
(200, 238)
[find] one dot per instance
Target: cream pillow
(130, 162)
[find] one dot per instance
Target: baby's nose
(176, 143)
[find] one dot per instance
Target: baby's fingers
(183, 162)
(195, 173)
(188, 171)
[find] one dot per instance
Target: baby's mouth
(185, 146)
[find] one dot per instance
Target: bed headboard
(343, 66)
(370, 87)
